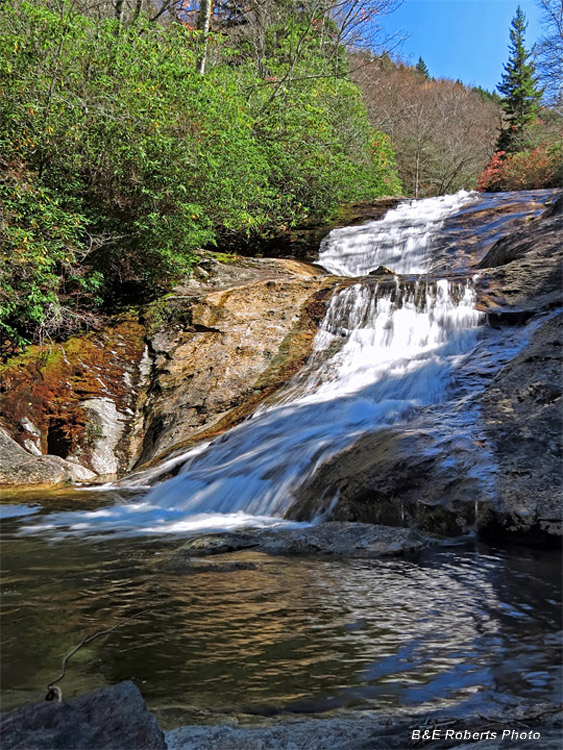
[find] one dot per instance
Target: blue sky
(466, 39)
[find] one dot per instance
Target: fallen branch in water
(55, 693)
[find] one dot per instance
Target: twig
(55, 693)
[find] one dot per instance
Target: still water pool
(461, 628)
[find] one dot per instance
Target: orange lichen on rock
(43, 390)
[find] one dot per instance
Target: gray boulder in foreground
(360, 732)
(113, 718)
(20, 468)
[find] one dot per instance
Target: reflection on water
(281, 634)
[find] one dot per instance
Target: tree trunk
(119, 10)
(203, 23)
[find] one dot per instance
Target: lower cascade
(383, 352)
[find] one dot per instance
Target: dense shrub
(120, 161)
(530, 169)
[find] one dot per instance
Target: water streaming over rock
(381, 354)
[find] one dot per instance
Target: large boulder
(19, 467)
(219, 355)
(113, 718)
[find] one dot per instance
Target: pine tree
(519, 87)
(422, 68)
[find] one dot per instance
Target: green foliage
(43, 284)
(122, 161)
(486, 95)
(519, 87)
(422, 68)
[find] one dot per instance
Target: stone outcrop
(108, 719)
(75, 403)
(21, 468)
(398, 478)
(522, 409)
(523, 272)
(221, 354)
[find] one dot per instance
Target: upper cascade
(400, 241)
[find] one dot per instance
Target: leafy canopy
(121, 161)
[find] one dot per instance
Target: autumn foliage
(531, 169)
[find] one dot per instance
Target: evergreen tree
(422, 68)
(519, 89)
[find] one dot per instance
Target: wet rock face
(523, 412)
(522, 273)
(405, 478)
(223, 353)
(192, 365)
(107, 719)
(397, 478)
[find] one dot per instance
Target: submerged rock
(113, 718)
(347, 540)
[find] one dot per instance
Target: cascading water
(400, 241)
(380, 355)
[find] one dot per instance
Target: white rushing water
(400, 241)
(379, 356)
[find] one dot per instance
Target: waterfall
(381, 354)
